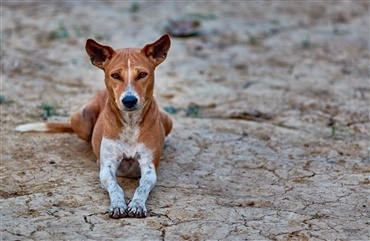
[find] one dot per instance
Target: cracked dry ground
(251, 156)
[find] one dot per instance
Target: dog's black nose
(129, 101)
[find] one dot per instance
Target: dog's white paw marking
(117, 209)
(112, 153)
(136, 209)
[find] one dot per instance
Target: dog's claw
(117, 213)
(118, 210)
(136, 209)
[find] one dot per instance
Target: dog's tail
(45, 127)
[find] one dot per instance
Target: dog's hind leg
(84, 119)
(166, 121)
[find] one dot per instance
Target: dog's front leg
(137, 208)
(109, 163)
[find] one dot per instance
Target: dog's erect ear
(98, 53)
(157, 51)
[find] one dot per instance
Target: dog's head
(129, 72)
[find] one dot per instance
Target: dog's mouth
(133, 109)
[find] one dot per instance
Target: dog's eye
(142, 75)
(116, 76)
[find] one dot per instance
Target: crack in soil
(163, 233)
(15, 234)
(92, 225)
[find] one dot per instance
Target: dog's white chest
(125, 152)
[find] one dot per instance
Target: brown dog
(125, 125)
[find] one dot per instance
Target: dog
(123, 122)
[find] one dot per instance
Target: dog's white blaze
(130, 89)
(129, 70)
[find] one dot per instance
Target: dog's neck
(129, 119)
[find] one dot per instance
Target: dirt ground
(271, 109)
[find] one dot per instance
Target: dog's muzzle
(129, 102)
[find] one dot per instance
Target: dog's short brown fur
(125, 125)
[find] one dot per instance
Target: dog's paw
(136, 209)
(118, 209)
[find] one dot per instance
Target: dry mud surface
(271, 133)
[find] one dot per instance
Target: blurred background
(263, 55)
